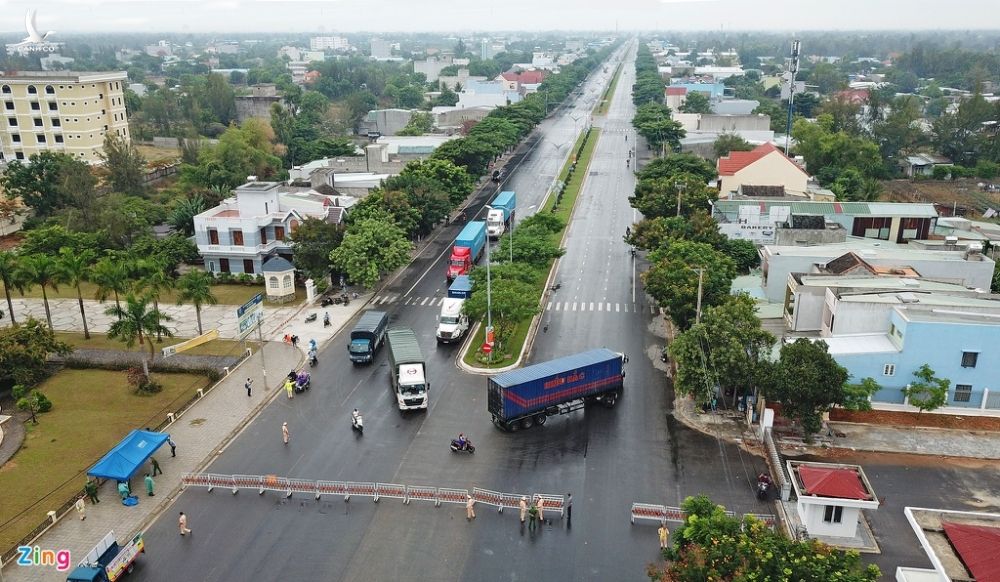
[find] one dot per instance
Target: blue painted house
(959, 345)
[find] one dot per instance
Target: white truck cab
(452, 323)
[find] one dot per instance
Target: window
(5, 90)
(833, 514)
(32, 90)
(248, 266)
(272, 282)
(16, 138)
(53, 106)
(19, 155)
(969, 359)
(35, 106)
(59, 139)
(50, 90)
(55, 122)
(9, 105)
(40, 138)
(38, 122)
(12, 121)
(963, 392)
(889, 370)
(237, 236)
(286, 282)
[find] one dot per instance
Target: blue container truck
(368, 336)
(523, 398)
(466, 249)
(461, 288)
(499, 216)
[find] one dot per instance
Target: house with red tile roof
(516, 80)
(765, 165)
(961, 545)
(831, 497)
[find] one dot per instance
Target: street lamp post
(489, 291)
(679, 186)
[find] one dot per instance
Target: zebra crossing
(560, 306)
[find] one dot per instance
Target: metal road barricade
(390, 490)
(364, 489)
(217, 480)
(274, 483)
(648, 511)
(330, 488)
(248, 482)
(421, 493)
(300, 486)
(770, 520)
(494, 498)
(510, 500)
(194, 479)
(452, 495)
(553, 503)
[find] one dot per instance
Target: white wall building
(831, 497)
(329, 43)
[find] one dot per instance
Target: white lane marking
(574, 306)
(600, 307)
(549, 306)
(424, 301)
(591, 307)
(617, 308)
(609, 307)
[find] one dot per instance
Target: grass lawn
(93, 410)
(564, 211)
(154, 154)
(226, 294)
(99, 341)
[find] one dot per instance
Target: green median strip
(563, 210)
(605, 102)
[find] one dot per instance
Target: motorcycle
(326, 302)
(313, 360)
(458, 448)
(326, 320)
(358, 423)
(303, 381)
(763, 488)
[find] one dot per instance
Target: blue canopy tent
(129, 455)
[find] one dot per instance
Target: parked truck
(500, 214)
(108, 562)
(368, 336)
(528, 396)
(467, 249)
(407, 370)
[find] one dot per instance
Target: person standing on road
(81, 507)
(663, 533)
(182, 523)
(90, 488)
(284, 432)
(524, 507)
(470, 513)
(569, 509)
(173, 447)
(248, 386)
(123, 490)
(540, 503)
(149, 485)
(290, 388)
(532, 516)
(155, 466)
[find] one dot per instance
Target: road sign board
(249, 315)
(489, 335)
(487, 348)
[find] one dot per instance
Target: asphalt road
(606, 458)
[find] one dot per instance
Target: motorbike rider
(312, 356)
(763, 479)
(355, 416)
(326, 319)
(462, 441)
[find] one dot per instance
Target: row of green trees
(648, 87)
(377, 239)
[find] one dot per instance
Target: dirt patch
(964, 197)
(894, 418)
(11, 241)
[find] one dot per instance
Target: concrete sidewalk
(858, 437)
(199, 433)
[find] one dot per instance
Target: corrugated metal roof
(555, 366)
(909, 209)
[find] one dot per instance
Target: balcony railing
(243, 249)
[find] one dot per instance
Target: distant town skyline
(74, 16)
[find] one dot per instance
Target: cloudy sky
(483, 15)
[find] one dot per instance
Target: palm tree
(196, 289)
(74, 268)
(8, 274)
(156, 278)
(136, 323)
(43, 271)
(111, 277)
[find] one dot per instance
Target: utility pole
(678, 186)
(793, 71)
(489, 298)
(697, 309)
(260, 338)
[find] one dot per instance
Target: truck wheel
(130, 568)
(513, 426)
(527, 423)
(610, 399)
(540, 419)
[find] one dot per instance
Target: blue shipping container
(532, 389)
(505, 201)
(461, 288)
(473, 236)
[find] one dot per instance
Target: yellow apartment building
(62, 111)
